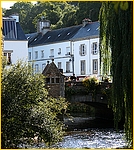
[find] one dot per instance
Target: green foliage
(80, 108)
(69, 91)
(60, 14)
(24, 11)
(88, 10)
(27, 110)
(90, 83)
(116, 36)
(72, 90)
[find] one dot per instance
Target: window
(8, 57)
(52, 80)
(94, 48)
(36, 68)
(68, 66)
(95, 66)
(29, 55)
(83, 67)
(57, 80)
(67, 50)
(36, 54)
(59, 52)
(47, 80)
(82, 50)
(43, 66)
(42, 54)
(59, 65)
(51, 53)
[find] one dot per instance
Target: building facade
(85, 47)
(74, 49)
(15, 43)
(54, 80)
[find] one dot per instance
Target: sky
(8, 4)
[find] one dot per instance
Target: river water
(93, 138)
(89, 138)
(89, 132)
(81, 134)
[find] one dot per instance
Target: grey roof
(12, 30)
(90, 30)
(53, 36)
(63, 34)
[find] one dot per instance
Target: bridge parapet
(99, 98)
(81, 95)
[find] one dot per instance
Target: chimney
(43, 25)
(15, 16)
(86, 21)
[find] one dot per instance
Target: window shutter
(97, 48)
(85, 49)
(92, 48)
(80, 49)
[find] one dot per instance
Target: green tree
(116, 36)
(60, 14)
(27, 110)
(24, 11)
(69, 17)
(88, 10)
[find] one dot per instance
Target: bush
(90, 83)
(27, 110)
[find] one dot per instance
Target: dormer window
(68, 33)
(59, 35)
(82, 50)
(48, 37)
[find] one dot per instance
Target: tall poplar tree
(116, 44)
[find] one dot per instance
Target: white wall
(57, 57)
(19, 48)
(63, 58)
(88, 57)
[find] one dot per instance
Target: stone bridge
(100, 104)
(98, 100)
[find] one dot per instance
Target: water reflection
(93, 138)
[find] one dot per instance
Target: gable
(51, 70)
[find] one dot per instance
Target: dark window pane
(57, 80)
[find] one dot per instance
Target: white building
(85, 48)
(71, 48)
(15, 41)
